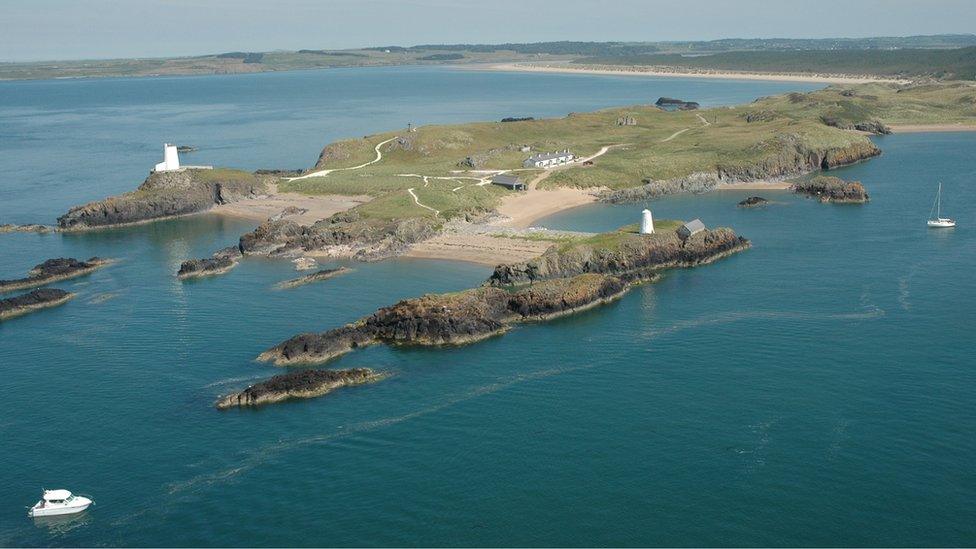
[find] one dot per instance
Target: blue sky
(78, 29)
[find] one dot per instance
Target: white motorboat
(59, 502)
(938, 221)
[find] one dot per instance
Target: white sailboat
(938, 221)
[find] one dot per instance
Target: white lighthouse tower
(171, 159)
(647, 222)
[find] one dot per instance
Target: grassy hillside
(957, 64)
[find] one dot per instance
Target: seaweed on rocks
(32, 301)
(53, 270)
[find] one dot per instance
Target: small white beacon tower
(171, 159)
(647, 222)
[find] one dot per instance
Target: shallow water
(814, 390)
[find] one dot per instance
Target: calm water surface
(814, 390)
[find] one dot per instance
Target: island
(317, 276)
(299, 384)
(54, 270)
(832, 189)
(32, 301)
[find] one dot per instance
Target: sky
(33, 30)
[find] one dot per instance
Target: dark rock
(871, 126)
(833, 189)
(166, 194)
(669, 103)
(753, 201)
(53, 270)
(31, 301)
(30, 228)
(300, 384)
(220, 262)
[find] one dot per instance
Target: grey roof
(549, 156)
(694, 226)
(503, 179)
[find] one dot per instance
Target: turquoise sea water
(814, 390)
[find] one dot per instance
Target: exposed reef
(54, 270)
(785, 155)
(345, 234)
(166, 194)
(833, 189)
(32, 301)
(317, 276)
(30, 228)
(451, 319)
(300, 384)
(220, 262)
(753, 202)
(623, 254)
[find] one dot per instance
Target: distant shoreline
(931, 128)
(666, 72)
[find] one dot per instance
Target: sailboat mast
(938, 201)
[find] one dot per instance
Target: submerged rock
(220, 262)
(833, 189)
(324, 274)
(53, 270)
(32, 301)
(30, 228)
(166, 194)
(753, 201)
(300, 384)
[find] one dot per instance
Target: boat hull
(941, 223)
(50, 511)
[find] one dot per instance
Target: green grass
(731, 142)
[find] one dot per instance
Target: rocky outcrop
(833, 189)
(54, 270)
(166, 194)
(300, 384)
(30, 228)
(785, 155)
(345, 234)
(318, 276)
(628, 255)
(670, 103)
(753, 202)
(32, 301)
(871, 126)
(220, 262)
(451, 319)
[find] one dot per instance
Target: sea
(818, 389)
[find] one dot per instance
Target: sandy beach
(675, 72)
(523, 209)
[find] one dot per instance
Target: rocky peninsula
(300, 384)
(833, 189)
(220, 262)
(564, 280)
(166, 194)
(54, 270)
(29, 228)
(32, 301)
(317, 276)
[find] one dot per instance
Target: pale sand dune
(680, 73)
(924, 128)
(485, 249)
(524, 208)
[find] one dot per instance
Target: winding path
(417, 201)
(379, 156)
